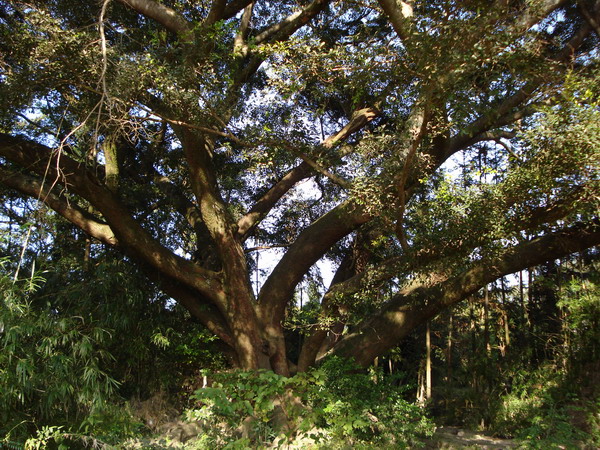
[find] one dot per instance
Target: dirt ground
(458, 438)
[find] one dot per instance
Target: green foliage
(77, 85)
(44, 437)
(64, 361)
(365, 407)
(537, 410)
(524, 365)
(112, 424)
(334, 404)
(51, 365)
(581, 303)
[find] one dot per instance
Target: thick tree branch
(167, 17)
(358, 121)
(133, 239)
(234, 7)
(594, 22)
(418, 259)
(288, 26)
(309, 247)
(511, 108)
(208, 315)
(217, 9)
(262, 207)
(415, 131)
(399, 14)
(406, 312)
(538, 11)
(33, 187)
(319, 334)
(239, 43)
(342, 182)
(238, 307)
(198, 153)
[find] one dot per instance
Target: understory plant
(52, 372)
(334, 404)
(540, 410)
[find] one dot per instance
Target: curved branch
(240, 46)
(416, 261)
(536, 12)
(208, 315)
(513, 107)
(262, 207)
(308, 248)
(33, 187)
(167, 17)
(133, 239)
(216, 12)
(288, 26)
(406, 312)
(399, 14)
(318, 335)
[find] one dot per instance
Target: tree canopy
(424, 149)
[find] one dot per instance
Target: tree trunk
(449, 358)
(504, 318)
(486, 319)
(428, 361)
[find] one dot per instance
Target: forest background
(441, 157)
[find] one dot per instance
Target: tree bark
(409, 310)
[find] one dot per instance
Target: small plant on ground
(334, 404)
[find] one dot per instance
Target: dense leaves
(184, 172)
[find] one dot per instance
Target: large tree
(423, 148)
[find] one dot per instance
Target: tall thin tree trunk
(428, 361)
(421, 384)
(505, 318)
(522, 299)
(473, 343)
(486, 321)
(449, 360)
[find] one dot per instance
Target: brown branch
(79, 217)
(417, 260)
(133, 239)
(399, 14)
(216, 12)
(537, 12)
(359, 120)
(591, 20)
(239, 44)
(318, 334)
(190, 126)
(234, 7)
(416, 127)
(513, 107)
(403, 314)
(179, 201)
(310, 245)
(167, 17)
(323, 171)
(208, 315)
(262, 207)
(265, 247)
(288, 26)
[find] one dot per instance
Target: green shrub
(50, 363)
(539, 411)
(333, 405)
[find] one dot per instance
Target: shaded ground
(453, 437)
